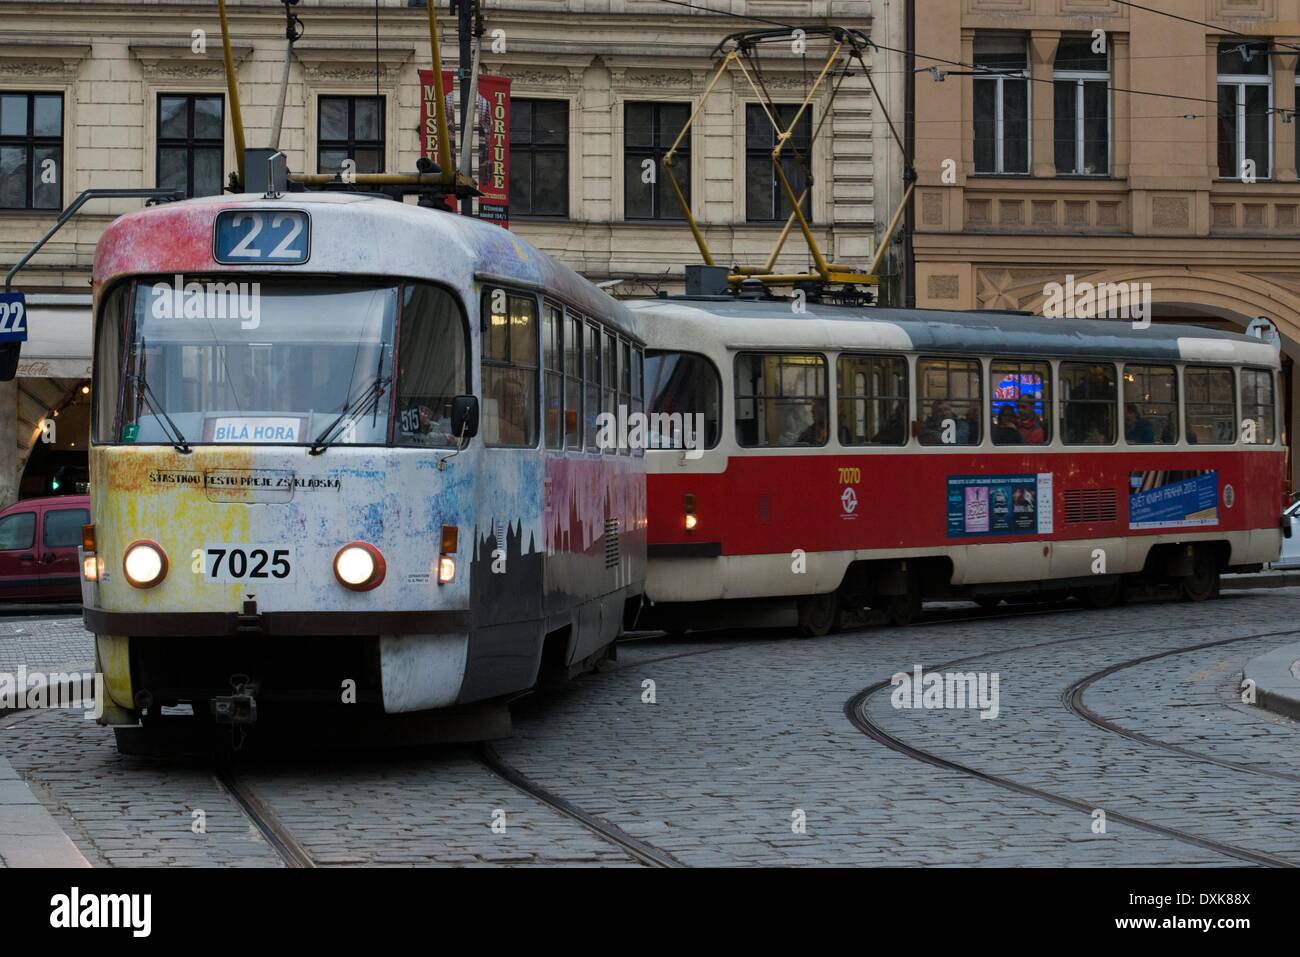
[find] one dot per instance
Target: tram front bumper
(404, 661)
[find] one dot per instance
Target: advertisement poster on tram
(1173, 499)
(985, 505)
(492, 165)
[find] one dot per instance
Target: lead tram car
(875, 458)
(340, 470)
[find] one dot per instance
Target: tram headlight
(446, 569)
(689, 507)
(144, 563)
(359, 566)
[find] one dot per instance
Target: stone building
(107, 93)
(1112, 144)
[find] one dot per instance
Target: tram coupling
(240, 707)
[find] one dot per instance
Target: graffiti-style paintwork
(570, 527)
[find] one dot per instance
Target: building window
(765, 199)
(31, 150)
(781, 400)
(1088, 399)
(649, 131)
(1002, 106)
(1257, 405)
(1245, 110)
(1082, 85)
(1022, 403)
(872, 400)
(1150, 405)
(350, 128)
(539, 158)
(949, 391)
(1211, 406)
(509, 370)
(191, 145)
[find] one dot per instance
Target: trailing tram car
(344, 467)
(863, 458)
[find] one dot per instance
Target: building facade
(122, 94)
(1103, 146)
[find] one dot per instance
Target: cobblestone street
(744, 749)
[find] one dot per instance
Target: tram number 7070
(241, 563)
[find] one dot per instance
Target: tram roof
(750, 324)
(352, 234)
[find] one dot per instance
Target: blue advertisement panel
(1173, 499)
(987, 505)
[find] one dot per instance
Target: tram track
(264, 819)
(1073, 696)
(855, 711)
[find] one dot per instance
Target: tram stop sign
(13, 332)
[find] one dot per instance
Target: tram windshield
(271, 362)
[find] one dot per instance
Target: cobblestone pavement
(746, 737)
(45, 644)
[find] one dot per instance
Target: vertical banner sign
(494, 149)
(493, 127)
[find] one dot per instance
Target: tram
(854, 459)
(343, 468)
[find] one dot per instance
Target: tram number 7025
(241, 563)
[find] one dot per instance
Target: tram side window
(950, 396)
(1150, 405)
(553, 356)
(609, 380)
(592, 409)
(624, 385)
(1088, 399)
(1257, 408)
(573, 382)
(431, 366)
(781, 400)
(108, 362)
(685, 395)
(1211, 406)
(1022, 403)
(872, 400)
(509, 413)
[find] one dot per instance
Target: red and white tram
(874, 458)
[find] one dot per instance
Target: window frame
(352, 144)
(1241, 81)
(31, 543)
(509, 363)
(1236, 403)
(737, 397)
(719, 397)
(1048, 400)
(1080, 78)
(190, 143)
(1062, 403)
(999, 116)
(1124, 402)
(681, 160)
(977, 402)
(54, 510)
(29, 142)
(528, 151)
(552, 308)
(467, 349)
(1273, 408)
(868, 397)
(765, 151)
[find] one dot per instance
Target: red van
(38, 548)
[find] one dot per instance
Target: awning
(58, 337)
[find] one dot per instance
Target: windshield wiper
(145, 391)
(353, 409)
